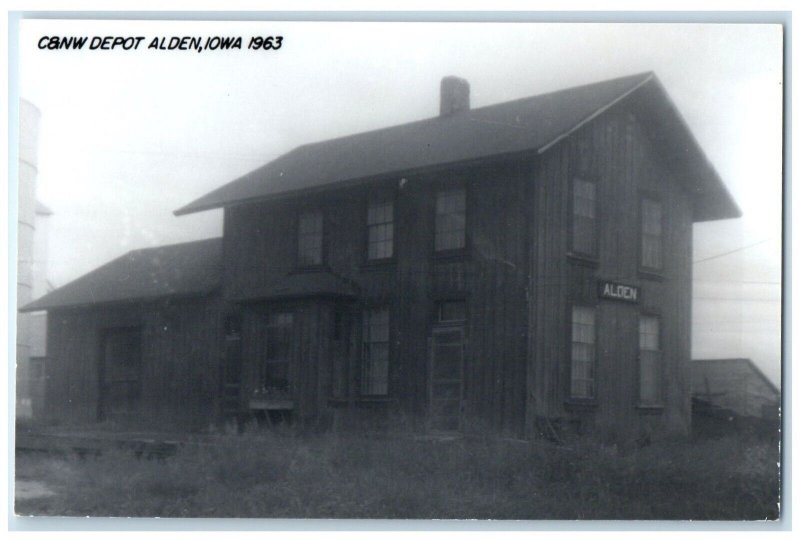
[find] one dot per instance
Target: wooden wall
(260, 245)
(180, 361)
(615, 151)
(516, 277)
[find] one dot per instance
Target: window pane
(649, 360)
(375, 356)
(275, 366)
(584, 228)
(649, 375)
(583, 353)
(450, 220)
(451, 311)
(380, 230)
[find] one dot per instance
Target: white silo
(29, 117)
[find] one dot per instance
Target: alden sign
(618, 292)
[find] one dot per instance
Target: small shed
(734, 393)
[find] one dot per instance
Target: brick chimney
(455, 96)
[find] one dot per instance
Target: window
(340, 353)
(309, 239)
(451, 311)
(584, 214)
(375, 354)
(275, 371)
(380, 230)
(451, 208)
(583, 353)
(649, 360)
(651, 234)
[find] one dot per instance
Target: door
(121, 374)
(446, 385)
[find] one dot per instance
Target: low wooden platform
(84, 443)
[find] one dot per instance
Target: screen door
(446, 378)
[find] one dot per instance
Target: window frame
(437, 313)
(299, 264)
(658, 401)
(441, 189)
(651, 197)
(269, 328)
(380, 199)
(572, 398)
(364, 360)
(342, 321)
(573, 251)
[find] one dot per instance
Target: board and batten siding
(180, 348)
(615, 151)
(260, 247)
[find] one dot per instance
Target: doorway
(446, 389)
(120, 374)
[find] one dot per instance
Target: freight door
(121, 374)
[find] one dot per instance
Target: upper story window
(652, 240)
(451, 207)
(584, 217)
(380, 229)
(309, 239)
(583, 353)
(649, 360)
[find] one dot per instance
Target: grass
(358, 477)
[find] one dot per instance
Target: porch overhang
(302, 285)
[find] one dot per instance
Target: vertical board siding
(491, 277)
(515, 276)
(180, 354)
(616, 152)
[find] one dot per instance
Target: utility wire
(733, 251)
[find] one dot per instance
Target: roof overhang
(672, 138)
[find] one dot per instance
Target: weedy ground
(280, 476)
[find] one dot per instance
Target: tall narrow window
(375, 356)
(649, 360)
(583, 353)
(340, 353)
(451, 206)
(651, 234)
(309, 239)
(380, 230)
(275, 372)
(584, 214)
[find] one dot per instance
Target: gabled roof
(718, 369)
(530, 124)
(174, 270)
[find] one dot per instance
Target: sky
(127, 137)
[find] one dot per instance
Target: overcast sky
(127, 137)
